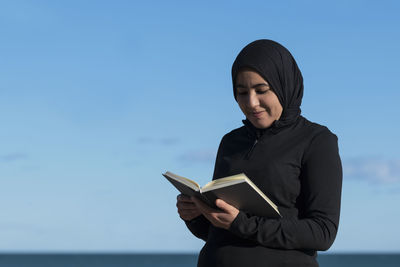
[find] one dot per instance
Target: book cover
(237, 190)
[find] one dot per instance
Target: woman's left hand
(219, 218)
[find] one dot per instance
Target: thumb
(223, 205)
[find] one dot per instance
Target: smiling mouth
(257, 114)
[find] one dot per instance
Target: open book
(237, 190)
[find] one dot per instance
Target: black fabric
(278, 67)
(295, 162)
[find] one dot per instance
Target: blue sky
(98, 98)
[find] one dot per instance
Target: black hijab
(277, 66)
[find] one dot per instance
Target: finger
(223, 205)
(186, 215)
(211, 214)
(189, 213)
(183, 198)
(203, 208)
(186, 206)
(201, 205)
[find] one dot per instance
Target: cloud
(13, 157)
(169, 141)
(198, 156)
(374, 170)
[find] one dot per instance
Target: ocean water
(178, 260)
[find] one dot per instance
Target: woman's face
(257, 101)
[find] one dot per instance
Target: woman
(295, 162)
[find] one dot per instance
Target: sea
(178, 260)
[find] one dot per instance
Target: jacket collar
(275, 128)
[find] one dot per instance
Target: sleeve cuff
(238, 224)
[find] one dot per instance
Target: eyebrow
(255, 85)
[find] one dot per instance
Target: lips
(257, 114)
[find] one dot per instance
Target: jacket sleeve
(321, 185)
(199, 226)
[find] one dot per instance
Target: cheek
(271, 104)
(267, 103)
(278, 106)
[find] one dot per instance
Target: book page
(186, 181)
(224, 181)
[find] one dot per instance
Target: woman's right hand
(186, 208)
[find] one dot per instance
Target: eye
(261, 92)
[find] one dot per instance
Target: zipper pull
(251, 149)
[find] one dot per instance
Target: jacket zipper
(251, 149)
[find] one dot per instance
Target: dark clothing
(298, 167)
(278, 67)
(294, 162)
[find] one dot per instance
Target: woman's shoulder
(314, 129)
(239, 132)
(320, 139)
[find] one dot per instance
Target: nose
(253, 100)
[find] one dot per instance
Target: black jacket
(298, 167)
